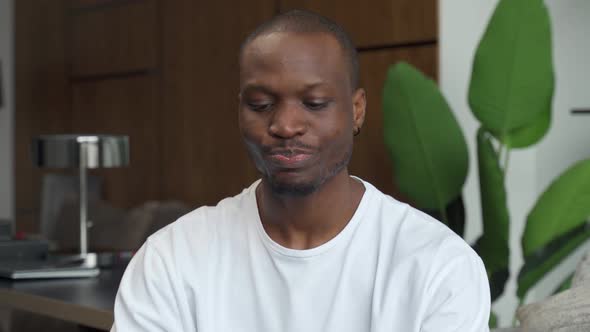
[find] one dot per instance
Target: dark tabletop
(87, 301)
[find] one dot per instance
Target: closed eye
(259, 107)
(315, 105)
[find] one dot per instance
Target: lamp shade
(64, 151)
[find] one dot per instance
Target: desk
(87, 302)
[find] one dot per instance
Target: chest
(347, 291)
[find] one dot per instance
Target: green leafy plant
(510, 94)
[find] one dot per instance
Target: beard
(304, 188)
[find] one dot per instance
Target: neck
(303, 222)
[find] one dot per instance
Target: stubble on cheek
(255, 154)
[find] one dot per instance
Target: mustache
(288, 147)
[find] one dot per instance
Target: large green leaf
(557, 225)
(492, 246)
(540, 262)
(423, 137)
(531, 134)
(562, 207)
(512, 77)
(528, 135)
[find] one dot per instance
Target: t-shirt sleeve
(459, 296)
(146, 300)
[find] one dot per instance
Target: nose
(288, 121)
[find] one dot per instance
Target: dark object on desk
(27, 250)
(52, 267)
(42, 270)
(63, 266)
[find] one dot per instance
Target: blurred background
(166, 74)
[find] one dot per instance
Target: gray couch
(568, 311)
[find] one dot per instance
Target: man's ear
(359, 106)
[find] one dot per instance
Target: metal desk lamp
(82, 152)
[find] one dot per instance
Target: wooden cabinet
(377, 23)
(113, 40)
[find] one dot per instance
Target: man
(307, 247)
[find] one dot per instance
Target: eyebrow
(257, 87)
(265, 89)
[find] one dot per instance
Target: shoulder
(439, 267)
(195, 231)
(413, 234)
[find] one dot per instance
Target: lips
(289, 159)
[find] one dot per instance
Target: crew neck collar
(341, 237)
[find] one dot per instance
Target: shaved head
(305, 22)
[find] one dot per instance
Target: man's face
(298, 110)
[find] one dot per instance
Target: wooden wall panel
(370, 159)
(126, 107)
(42, 95)
(203, 158)
(377, 22)
(115, 39)
(84, 4)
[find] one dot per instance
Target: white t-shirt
(392, 268)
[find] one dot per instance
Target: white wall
(7, 110)
(568, 140)
(462, 23)
(569, 137)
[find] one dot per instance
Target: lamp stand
(85, 143)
